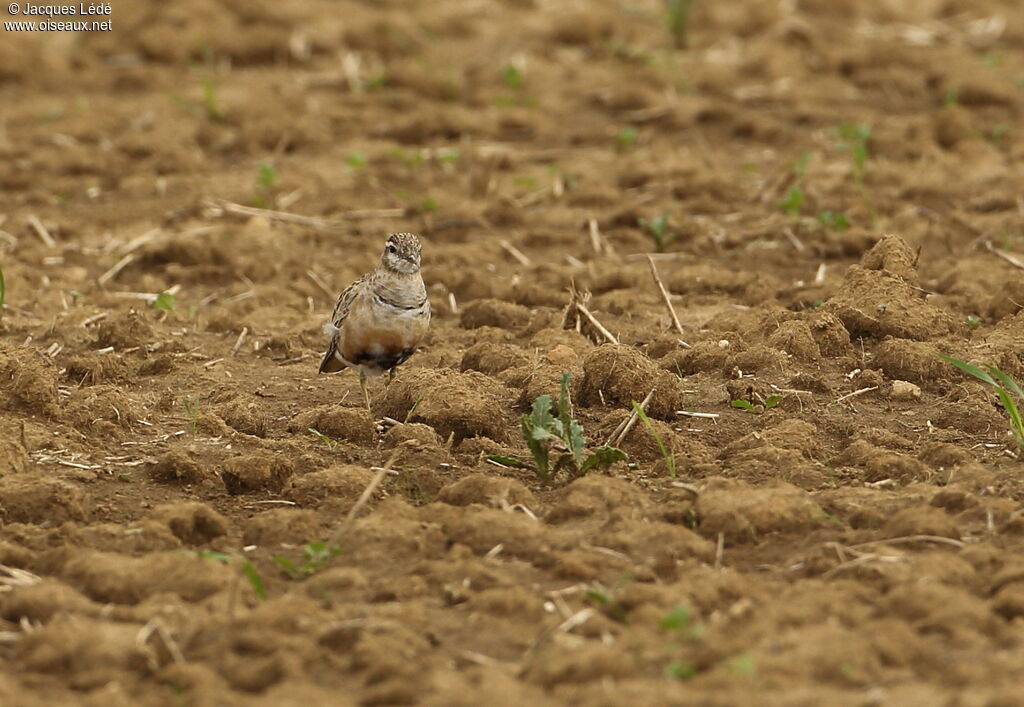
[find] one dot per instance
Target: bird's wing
(344, 303)
(330, 363)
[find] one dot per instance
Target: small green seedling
(448, 155)
(513, 76)
(999, 131)
(415, 404)
(430, 203)
(544, 433)
(766, 404)
(659, 229)
(669, 457)
(676, 620)
(678, 21)
(246, 567)
(328, 442)
(973, 321)
(853, 137)
(744, 665)
(794, 201)
(834, 220)
(604, 598)
(680, 623)
(1005, 388)
(210, 102)
(355, 160)
(627, 137)
(164, 301)
(679, 670)
(192, 410)
(315, 556)
(266, 176)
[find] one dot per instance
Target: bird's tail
(330, 362)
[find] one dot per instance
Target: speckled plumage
(382, 317)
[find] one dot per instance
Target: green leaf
(322, 437)
(743, 405)
(801, 163)
(266, 176)
(538, 450)
(1007, 382)
(508, 461)
(320, 552)
(680, 670)
(836, 220)
(1016, 422)
(670, 459)
(255, 580)
(627, 137)
(289, 567)
(540, 413)
(355, 160)
(513, 76)
(601, 458)
(793, 202)
(744, 664)
(216, 556)
(675, 620)
(164, 301)
(771, 401)
(969, 369)
(571, 431)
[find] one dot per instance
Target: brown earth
(860, 543)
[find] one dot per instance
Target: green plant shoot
(1006, 388)
(545, 434)
(669, 457)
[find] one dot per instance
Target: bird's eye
(392, 249)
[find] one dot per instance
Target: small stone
(723, 344)
(904, 390)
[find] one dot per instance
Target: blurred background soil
(831, 193)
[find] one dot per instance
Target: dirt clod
(256, 472)
(621, 374)
(460, 404)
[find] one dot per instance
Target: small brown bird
(380, 318)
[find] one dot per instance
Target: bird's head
(401, 253)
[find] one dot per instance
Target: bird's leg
(366, 393)
(391, 375)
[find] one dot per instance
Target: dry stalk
(239, 340)
(318, 281)
(342, 530)
(576, 311)
(116, 269)
(620, 432)
(665, 297)
(1015, 262)
(218, 207)
(854, 394)
(40, 230)
(515, 253)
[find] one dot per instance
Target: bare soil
(861, 542)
